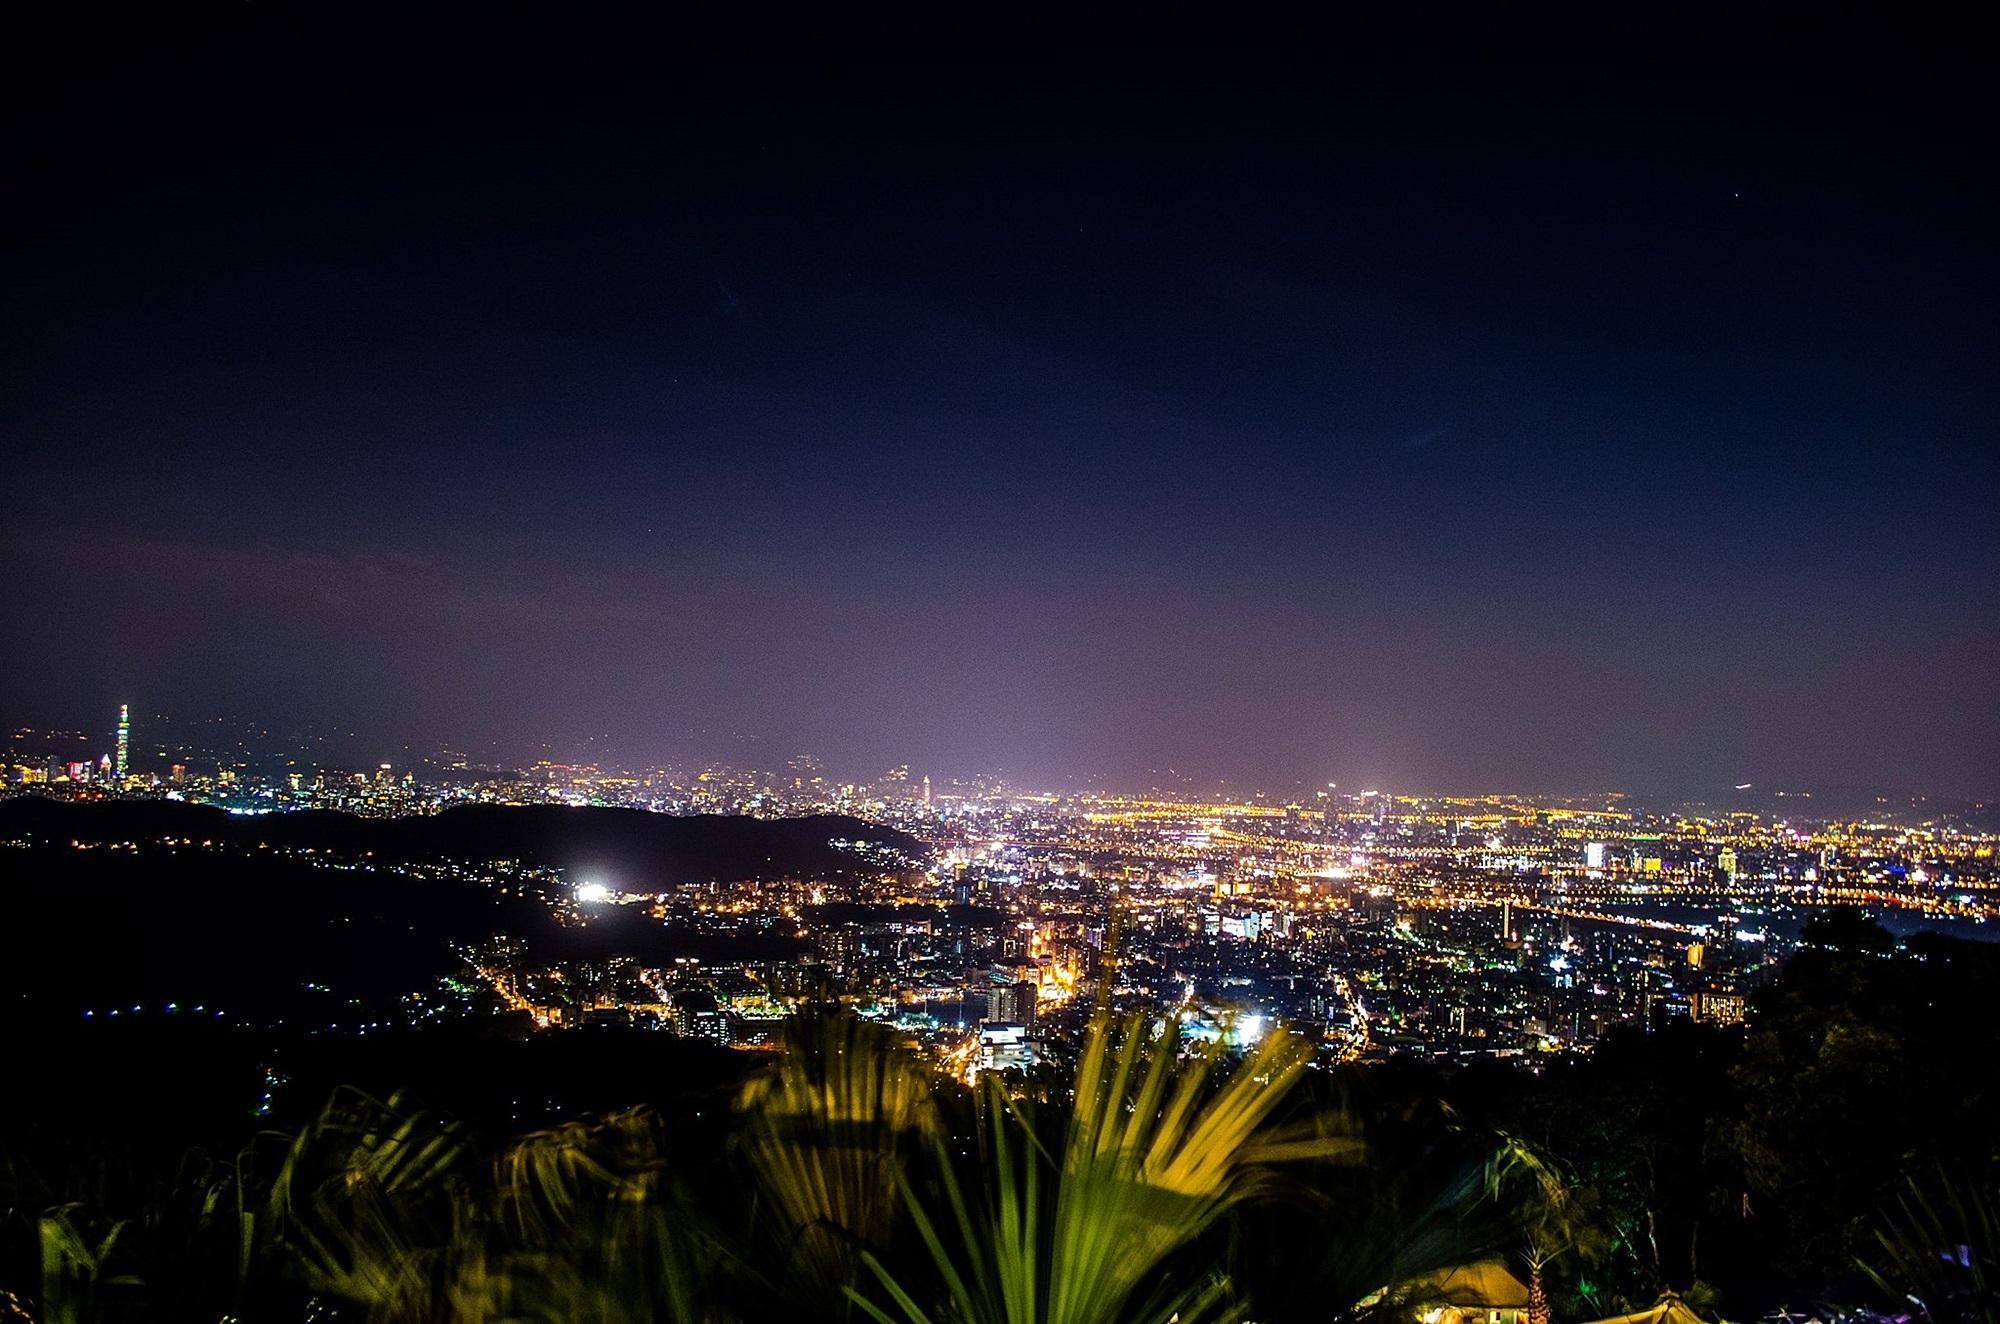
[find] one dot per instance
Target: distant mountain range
(619, 847)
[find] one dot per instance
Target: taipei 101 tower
(124, 740)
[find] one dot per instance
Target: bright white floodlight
(592, 894)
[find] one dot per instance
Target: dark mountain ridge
(629, 847)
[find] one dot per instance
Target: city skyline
(261, 747)
(249, 766)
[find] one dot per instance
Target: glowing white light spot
(592, 894)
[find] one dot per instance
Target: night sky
(1438, 407)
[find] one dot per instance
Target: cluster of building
(1444, 926)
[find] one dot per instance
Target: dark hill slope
(626, 846)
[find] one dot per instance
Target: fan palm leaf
(1154, 1147)
(825, 1130)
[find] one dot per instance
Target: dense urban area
(1716, 1037)
(1375, 922)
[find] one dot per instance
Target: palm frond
(1938, 1249)
(586, 1225)
(79, 1259)
(824, 1130)
(1154, 1147)
(366, 1202)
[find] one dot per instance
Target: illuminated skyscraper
(124, 740)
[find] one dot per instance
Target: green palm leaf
(1155, 1146)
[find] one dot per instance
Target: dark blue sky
(1445, 406)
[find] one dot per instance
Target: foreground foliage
(856, 1185)
(844, 1180)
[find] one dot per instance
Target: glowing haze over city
(1399, 414)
